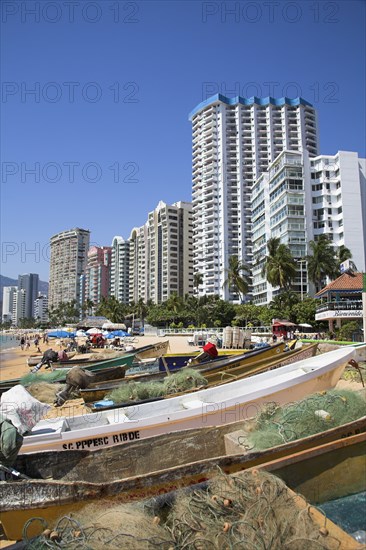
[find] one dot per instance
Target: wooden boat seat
(193, 404)
(78, 422)
(118, 416)
(50, 426)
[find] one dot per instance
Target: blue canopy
(117, 334)
(61, 334)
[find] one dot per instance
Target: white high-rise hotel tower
(234, 141)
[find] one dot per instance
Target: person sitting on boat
(10, 442)
(48, 358)
(209, 352)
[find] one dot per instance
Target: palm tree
(174, 303)
(322, 262)
(197, 281)
(237, 278)
(279, 264)
(87, 306)
(112, 309)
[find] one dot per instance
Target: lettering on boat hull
(95, 442)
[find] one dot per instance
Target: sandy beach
(13, 362)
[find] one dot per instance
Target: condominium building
(138, 275)
(300, 198)
(40, 308)
(234, 141)
(8, 302)
(338, 184)
(170, 260)
(161, 260)
(120, 269)
(97, 273)
(67, 263)
(19, 306)
(29, 283)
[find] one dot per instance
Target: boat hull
(309, 458)
(175, 362)
(209, 407)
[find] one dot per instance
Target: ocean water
(7, 341)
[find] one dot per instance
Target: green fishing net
(321, 411)
(184, 380)
(53, 376)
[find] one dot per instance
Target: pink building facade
(97, 273)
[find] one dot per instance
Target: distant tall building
(169, 259)
(338, 184)
(68, 262)
(300, 198)
(8, 302)
(19, 306)
(161, 261)
(234, 141)
(138, 280)
(29, 283)
(120, 269)
(97, 273)
(40, 308)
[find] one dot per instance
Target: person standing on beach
(22, 343)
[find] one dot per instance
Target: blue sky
(106, 130)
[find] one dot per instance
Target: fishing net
(185, 379)
(254, 511)
(53, 376)
(44, 392)
(251, 511)
(115, 527)
(321, 411)
(137, 391)
(104, 355)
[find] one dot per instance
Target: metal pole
(364, 305)
(302, 289)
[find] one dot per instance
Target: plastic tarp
(22, 409)
(61, 334)
(117, 334)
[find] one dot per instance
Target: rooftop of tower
(248, 101)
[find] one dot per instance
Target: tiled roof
(347, 281)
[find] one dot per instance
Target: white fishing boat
(209, 407)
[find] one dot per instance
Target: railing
(218, 331)
(348, 305)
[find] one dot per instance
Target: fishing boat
(208, 407)
(153, 375)
(143, 352)
(214, 376)
(303, 464)
(176, 361)
(125, 361)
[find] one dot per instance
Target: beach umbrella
(61, 334)
(80, 333)
(94, 331)
(119, 334)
